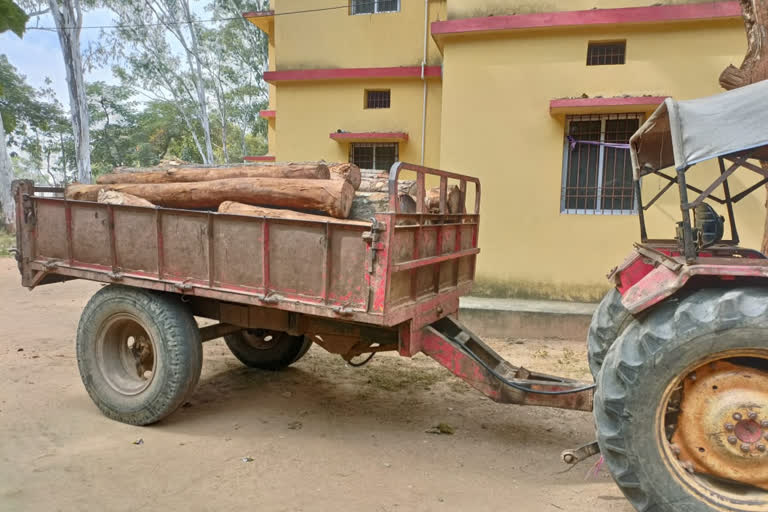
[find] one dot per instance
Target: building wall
(480, 8)
(309, 111)
(496, 125)
(336, 39)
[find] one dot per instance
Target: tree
(12, 18)
(754, 67)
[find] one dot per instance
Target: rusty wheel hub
(722, 428)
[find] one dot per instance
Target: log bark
(121, 198)
(367, 204)
(453, 200)
(380, 183)
(195, 174)
(234, 208)
(754, 67)
(346, 171)
(330, 196)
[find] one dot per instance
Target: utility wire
(212, 20)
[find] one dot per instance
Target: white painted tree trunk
(68, 17)
(6, 177)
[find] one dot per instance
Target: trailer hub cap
(722, 427)
(125, 354)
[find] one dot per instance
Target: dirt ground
(321, 435)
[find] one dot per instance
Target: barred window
(597, 177)
(606, 54)
(373, 156)
(377, 99)
(373, 6)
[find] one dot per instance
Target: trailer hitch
(581, 453)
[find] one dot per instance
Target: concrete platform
(518, 318)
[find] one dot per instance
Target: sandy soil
(322, 435)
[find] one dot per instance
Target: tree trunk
(121, 198)
(330, 196)
(258, 211)
(6, 178)
(348, 172)
(69, 19)
(754, 67)
(380, 183)
(453, 200)
(192, 174)
(367, 204)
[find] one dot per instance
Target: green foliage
(7, 241)
(12, 18)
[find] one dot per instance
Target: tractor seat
(708, 224)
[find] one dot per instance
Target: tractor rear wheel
(682, 405)
(608, 322)
(267, 350)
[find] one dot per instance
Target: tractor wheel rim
(262, 339)
(714, 424)
(125, 354)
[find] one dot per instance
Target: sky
(38, 54)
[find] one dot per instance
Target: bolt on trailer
(679, 348)
(275, 286)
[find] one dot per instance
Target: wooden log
(194, 174)
(367, 204)
(330, 196)
(121, 198)
(381, 184)
(346, 171)
(453, 200)
(234, 208)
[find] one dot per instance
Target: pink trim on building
(369, 136)
(606, 102)
(262, 158)
(351, 73)
(268, 114)
(619, 16)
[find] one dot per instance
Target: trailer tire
(139, 353)
(639, 378)
(608, 322)
(267, 350)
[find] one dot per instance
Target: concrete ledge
(504, 318)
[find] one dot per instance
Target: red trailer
(274, 286)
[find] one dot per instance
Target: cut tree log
(330, 196)
(194, 174)
(121, 198)
(367, 204)
(380, 183)
(453, 200)
(754, 67)
(346, 171)
(234, 208)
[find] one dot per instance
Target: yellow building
(495, 88)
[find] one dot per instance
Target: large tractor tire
(267, 350)
(139, 353)
(608, 322)
(682, 405)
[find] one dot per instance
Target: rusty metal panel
(131, 226)
(237, 251)
(448, 269)
(185, 246)
(90, 234)
(51, 230)
(347, 267)
(425, 276)
(295, 258)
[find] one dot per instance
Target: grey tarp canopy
(683, 133)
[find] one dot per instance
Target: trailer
(273, 286)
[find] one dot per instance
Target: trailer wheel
(267, 350)
(682, 405)
(608, 322)
(139, 353)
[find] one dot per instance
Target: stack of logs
(309, 191)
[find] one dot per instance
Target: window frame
(369, 91)
(603, 118)
(374, 145)
(375, 8)
(610, 42)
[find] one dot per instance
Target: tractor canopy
(684, 133)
